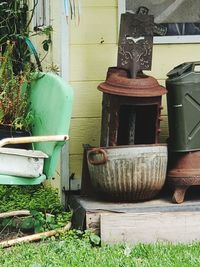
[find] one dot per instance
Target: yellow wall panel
(87, 99)
(90, 62)
(75, 162)
(99, 3)
(84, 131)
(166, 57)
(97, 25)
(164, 129)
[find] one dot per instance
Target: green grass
(73, 250)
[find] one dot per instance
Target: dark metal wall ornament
(135, 43)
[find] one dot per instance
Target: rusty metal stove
(131, 109)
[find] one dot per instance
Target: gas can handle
(180, 69)
(194, 64)
(97, 151)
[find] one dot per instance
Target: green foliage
(46, 211)
(40, 198)
(15, 20)
(37, 221)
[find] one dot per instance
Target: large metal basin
(128, 173)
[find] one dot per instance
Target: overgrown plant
(16, 64)
(14, 92)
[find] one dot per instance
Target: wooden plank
(79, 213)
(162, 204)
(91, 62)
(99, 3)
(87, 131)
(87, 100)
(94, 31)
(151, 227)
(93, 222)
(84, 131)
(75, 163)
(164, 105)
(164, 129)
(166, 57)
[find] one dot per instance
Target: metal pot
(128, 173)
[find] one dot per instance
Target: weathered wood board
(150, 227)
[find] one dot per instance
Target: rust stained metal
(183, 172)
(130, 109)
(118, 82)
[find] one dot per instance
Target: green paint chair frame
(51, 101)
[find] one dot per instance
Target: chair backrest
(51, 101)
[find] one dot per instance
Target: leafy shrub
(39, 197)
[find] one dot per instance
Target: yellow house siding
(93, 48)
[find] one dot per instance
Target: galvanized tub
(128, 173)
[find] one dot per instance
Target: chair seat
(16, 180)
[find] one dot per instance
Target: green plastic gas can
(183, 103)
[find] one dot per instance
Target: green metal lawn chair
(51, 100)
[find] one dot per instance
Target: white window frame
(42, 14)
(162, 39)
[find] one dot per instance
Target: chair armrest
(32, 139)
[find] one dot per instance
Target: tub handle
(97, 151)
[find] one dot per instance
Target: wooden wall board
(75, 163)
(151, 227)
(168, 56)
(164, 129)
(102, 29)
(87, 99)
(90, 62)
(84, 131)
(99, 3)
(87, 131)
